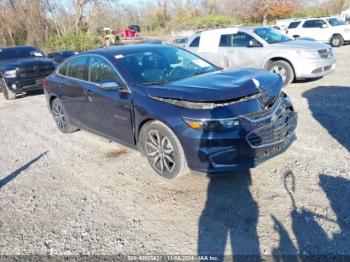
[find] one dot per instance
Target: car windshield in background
(335, 22)
(68, 54)
(272, 36)
(12, 53)
(164, 65)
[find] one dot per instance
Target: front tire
(8, 94)
(163, 150)
(284, 69)
(61, 118)
(336, 41)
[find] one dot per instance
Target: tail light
(44, 83)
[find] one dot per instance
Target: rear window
(195, 42)
(78, 68)
(294, 25)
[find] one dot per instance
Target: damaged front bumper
(260, 136)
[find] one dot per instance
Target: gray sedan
(264, 48)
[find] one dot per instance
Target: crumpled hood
(16, 62)
(220, 86)
(303, 44)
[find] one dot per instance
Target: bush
(73, 41)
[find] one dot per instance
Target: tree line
(73, 23)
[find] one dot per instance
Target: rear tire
(8, 94)
(282, 68)
(336, 41)
(61, 118)
(163, 150)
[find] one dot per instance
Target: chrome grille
(35, 71)
(274, 132)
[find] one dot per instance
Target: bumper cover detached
(263, 135)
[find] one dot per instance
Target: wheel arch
(279, 58)
(144, 123)
(52, 97)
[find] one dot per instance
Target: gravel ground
(82, 194)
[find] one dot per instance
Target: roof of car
(17, 47)
(126, 49)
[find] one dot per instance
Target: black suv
(22, 68)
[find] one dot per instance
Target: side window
(78, 68)
(225, 40)
(102, 71)
(241, 39)
(293, 25)
(195, 42)
(314, 24)
(63, 69)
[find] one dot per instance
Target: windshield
(163, 65)
(271, 35)
(11, 53)
(335, 21)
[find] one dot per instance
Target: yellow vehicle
(106, 35)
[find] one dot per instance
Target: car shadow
(330, 107)
(312, 239)
(307, 80)
(230, 214)
(15, 173)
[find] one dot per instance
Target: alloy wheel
(336, 41)
(160, 151)
(281, 71)
(59, 116)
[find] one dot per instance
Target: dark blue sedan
(178, 110)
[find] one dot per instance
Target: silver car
(264, 48)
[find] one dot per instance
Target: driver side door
(110, 109)
(238, 51)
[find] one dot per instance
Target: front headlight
(212, 124)
(309, 54)
(10, 73)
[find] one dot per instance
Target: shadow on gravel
(312, 238)
(14, 174)
(330, 107)
(230, 214)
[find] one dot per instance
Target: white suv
(332, 30)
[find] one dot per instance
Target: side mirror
(324, 26)
(254, 43)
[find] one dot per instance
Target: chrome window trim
(89, 82)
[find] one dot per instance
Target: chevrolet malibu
(180, 111)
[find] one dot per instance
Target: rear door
(110, 110)
(73, 88)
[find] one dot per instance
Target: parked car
(332, 30)
(179, 110)
(264, 48)
(59, 57)
(21, 69)
(180, 41)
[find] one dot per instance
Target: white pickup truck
(332, 30)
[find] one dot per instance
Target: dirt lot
(82, 194)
